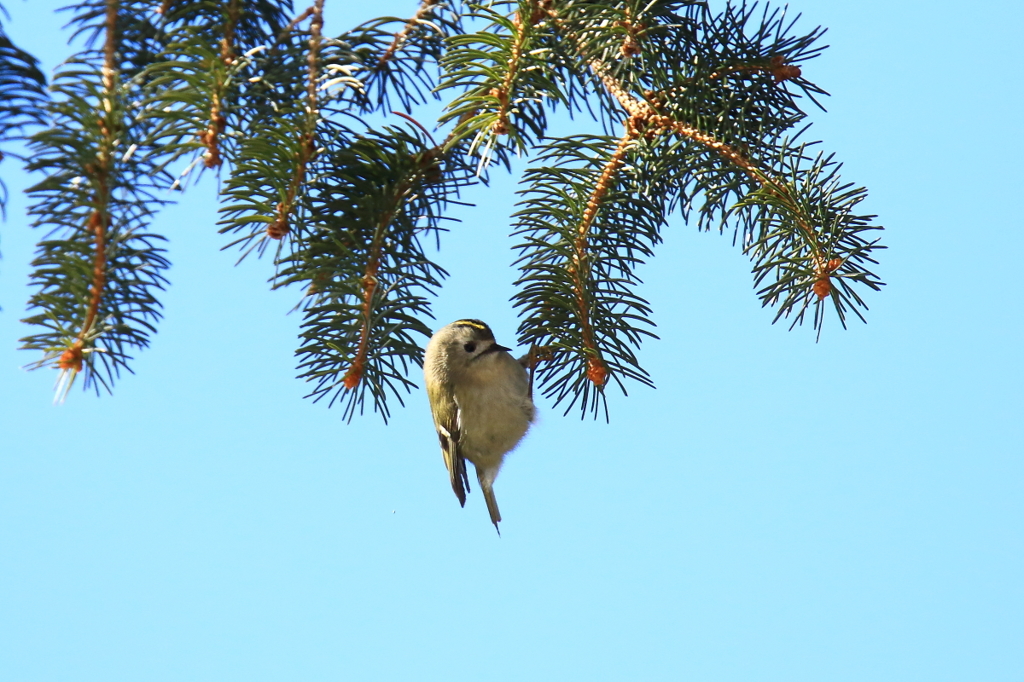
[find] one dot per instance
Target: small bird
(481, 403)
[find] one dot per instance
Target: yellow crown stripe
(472, 323)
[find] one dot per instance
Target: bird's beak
(494, 348)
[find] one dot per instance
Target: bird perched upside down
(480, 399)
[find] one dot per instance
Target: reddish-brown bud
(782, 71)
(278, 229)
(596, 371)
(499, 95)
(354, 375)
(71, 358)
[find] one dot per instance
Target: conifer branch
(644, 111)
(426, 8)
(503, 93)
(210, 138)
(579, 269)
(294, 23)
(227, 43)
(400, 63)
(97, 270)
(503, 82)
(71, 358)
(370, 282)
(424, 170)
(698, 112)
(307, 145)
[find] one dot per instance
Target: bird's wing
(448, 433)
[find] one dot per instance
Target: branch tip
(71, 358)
(781, 71)
(354, 374)
(596, 371)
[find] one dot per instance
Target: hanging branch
(657, 121)
(196, 90)
(306, 145)
(24, 95)
(798, 218)
(218, 122)
(270, 176)
(502, 77)
(377, 196)
(398, 59)
(426, 8)
(699, 112)
(95, 283)
(99, 221)
(579, 267)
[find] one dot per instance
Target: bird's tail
(492, 507)
(492, 504)
(486, 478)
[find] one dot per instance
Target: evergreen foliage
(23, 90)
(701, 113)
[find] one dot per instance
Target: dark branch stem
(307, 140)
(110, 47)
(580, 267)
(643, 111)
(286, 31)
(425, 8)
(99, 172)
(227, 43)
(777, 67)
(313, 58)
(503, 95)
(370, 283)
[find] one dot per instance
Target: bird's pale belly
(495, 431)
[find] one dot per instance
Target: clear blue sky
(776, 510)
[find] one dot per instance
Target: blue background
(776, 510)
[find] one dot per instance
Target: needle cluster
(328, 170)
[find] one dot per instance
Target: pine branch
(24, 97)
(503, 78)
(425, 10)
(96, 279)
(701, 113)
(274, 160)
(796, 215)
(376, 197)
(196, 94)
(398, 59)
(585, 230)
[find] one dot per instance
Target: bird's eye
(470, 347)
